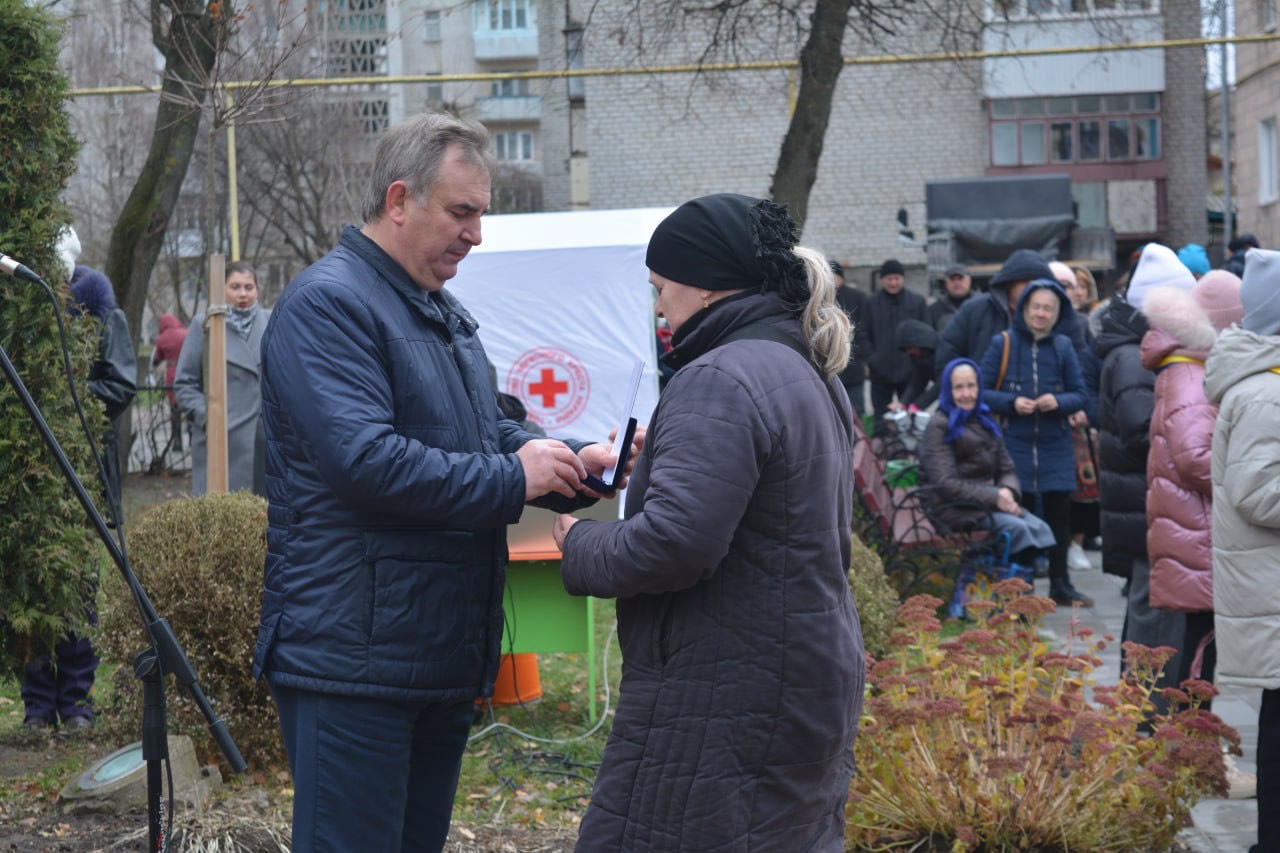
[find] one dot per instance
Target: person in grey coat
(246, 444)
(1240, 377)
(743, 665)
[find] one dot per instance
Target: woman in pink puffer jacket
(1179, 491)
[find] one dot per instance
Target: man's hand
(561, 529)
(1024, 405)
(1006, 502)
(550, 466)
(1078, 419)
(1047, 403)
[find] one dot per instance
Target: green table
(542, 617)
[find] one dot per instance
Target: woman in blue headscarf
(973, 477)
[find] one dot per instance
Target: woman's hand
(1078, 419)
(597, 457)
(1047, 403)
(1024, 405)
(1006, 502)
(561, 529)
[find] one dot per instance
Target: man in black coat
(888, 307)
(854, 303)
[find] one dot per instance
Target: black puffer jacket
(885, 362)
(855, 304)
(1126, 399)
(743, 671)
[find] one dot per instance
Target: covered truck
(980, 221)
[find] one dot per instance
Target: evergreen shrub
(200, 561)
(875, 597)
(48, 555)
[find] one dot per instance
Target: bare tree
(748, 30)
(203, 43)
(301, 173)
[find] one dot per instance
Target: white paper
(628, 407)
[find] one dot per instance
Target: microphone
(21, 271)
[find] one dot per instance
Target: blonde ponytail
(826, 327)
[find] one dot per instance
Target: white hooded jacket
(1246, 506)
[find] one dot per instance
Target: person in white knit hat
(1240, 377)
(1158, 267)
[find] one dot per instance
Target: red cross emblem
(553, 384)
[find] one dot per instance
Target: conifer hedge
(48, 553)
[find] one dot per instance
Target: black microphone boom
(9, 266)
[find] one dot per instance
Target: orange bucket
(517, 682)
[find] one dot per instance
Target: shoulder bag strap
(1004, 361)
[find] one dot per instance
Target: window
(357, 57)
(1061, 132)
(573, 61)
(1090, 141)
(1068, 8)
(500, 15)
(1268, 15)
(435, 94)
(513, 145)
(1004, 144)
(374, 117)
(1268, 179)
(1146, 139)
(431, 26)
(1082, 129)
(517, 88)
(357, 41)
(1118, 139)
(1033, 147)
(356, 16)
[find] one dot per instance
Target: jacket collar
(703, 331)
(439, 307)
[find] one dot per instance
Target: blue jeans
(371, 774)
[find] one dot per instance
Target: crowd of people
(1148, 418)
(1177, 374)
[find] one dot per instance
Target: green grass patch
(535, 764)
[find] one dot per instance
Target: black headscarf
(730, 242)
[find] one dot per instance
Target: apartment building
(1255, 111)
(1128, 127)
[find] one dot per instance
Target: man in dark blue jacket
(391, 479)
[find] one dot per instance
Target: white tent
(565, 309)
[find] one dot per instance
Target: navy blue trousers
(51, 694)
(371, 774)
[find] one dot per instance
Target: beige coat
(1246, 506)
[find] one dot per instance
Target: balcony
(519, 108)
(492, 45)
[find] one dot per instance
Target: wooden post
(215, 389)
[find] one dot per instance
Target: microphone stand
(164, 655)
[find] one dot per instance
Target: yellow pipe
(774, 65)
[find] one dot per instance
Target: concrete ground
(1221, 826)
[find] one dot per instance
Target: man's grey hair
(412, 152)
